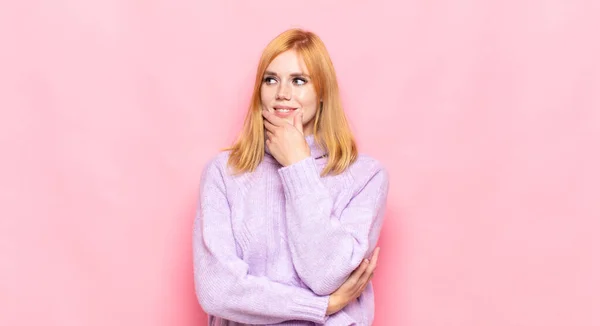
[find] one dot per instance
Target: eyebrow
(295, 74)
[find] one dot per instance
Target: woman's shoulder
(367, 164)
(366, 169)
(217, 164)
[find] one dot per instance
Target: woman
(289, 216)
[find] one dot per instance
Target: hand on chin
(285, 139)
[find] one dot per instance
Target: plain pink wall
(487, 115)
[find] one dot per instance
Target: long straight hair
(330, 128)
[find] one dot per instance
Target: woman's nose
(284, 92)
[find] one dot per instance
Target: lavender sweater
(270, 246)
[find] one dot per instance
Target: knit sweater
(270, 246)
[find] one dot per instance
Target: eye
(269, 80)
(299, 81)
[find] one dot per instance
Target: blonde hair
(330, 129)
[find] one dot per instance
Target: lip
(283, 107)
(284, 114)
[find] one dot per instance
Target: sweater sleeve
(224, 287)
(325, 249)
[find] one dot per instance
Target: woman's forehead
(288, 63)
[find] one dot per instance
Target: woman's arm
(325, 249)
(223, 286)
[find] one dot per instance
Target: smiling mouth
(278, 109)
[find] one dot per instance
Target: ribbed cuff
(341, 318)
(300, 178)
(311, 308)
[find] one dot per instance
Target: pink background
(486, 113)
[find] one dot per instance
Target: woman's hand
(354, 285)
(285, 140)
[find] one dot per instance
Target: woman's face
(286, 88)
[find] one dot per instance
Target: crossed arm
(226, 289)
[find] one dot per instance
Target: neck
(307, 130)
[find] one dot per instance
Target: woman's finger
(364, 278)
(364, 286)
(269, 134)
(358, 274)
(370, 269)
(273, 119)
(269, 126)
(374, 258)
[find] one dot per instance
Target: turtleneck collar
(316, 151)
